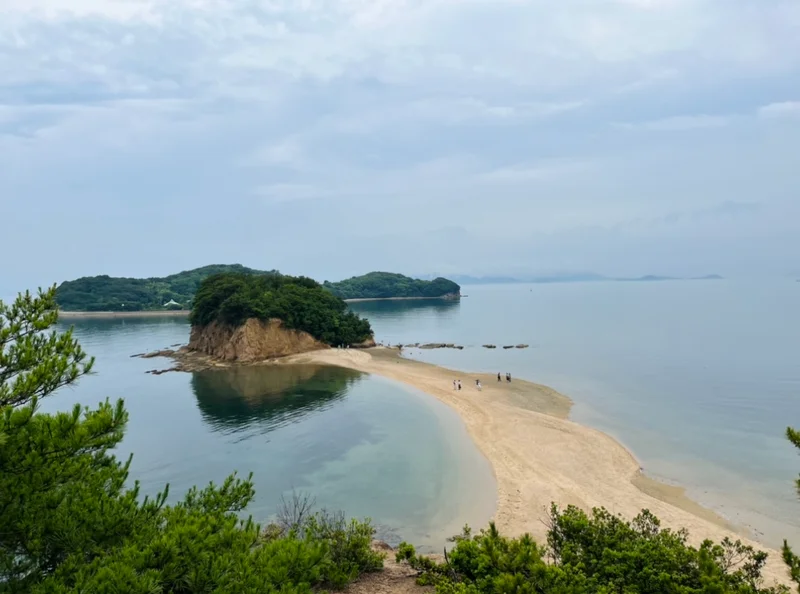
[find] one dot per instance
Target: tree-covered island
(108, 293)
(177, 291)
(300, 303)
(388, 285)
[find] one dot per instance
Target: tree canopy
(69, 522)
(593, 554)
(383, 285)
(106, 293)
(299, 302)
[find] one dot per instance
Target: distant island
(177, 292)
(250, 317)
(570, 278)
(107, 293)
(388, 285)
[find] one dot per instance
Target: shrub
(598, 553)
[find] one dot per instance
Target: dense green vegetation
(106, 293)
(300, 302)
(597, 554)
(68, 523)
(382, 285)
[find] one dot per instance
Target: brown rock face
(367, 344)
(254, 340)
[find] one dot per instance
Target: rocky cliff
(254, 340)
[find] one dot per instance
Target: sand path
(539, 456)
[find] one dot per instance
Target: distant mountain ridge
(108, 293)
(105, 293)
(568, 278)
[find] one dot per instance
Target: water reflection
(405, 308)
(91, 329)
(270, 397)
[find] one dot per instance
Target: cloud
(183, 132)
(781, 109)
(679, 123)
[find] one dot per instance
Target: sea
(699, 379)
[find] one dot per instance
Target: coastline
(179, 313)
(176, 313)
(440, 298)
(539, 456)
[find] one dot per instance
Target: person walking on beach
(459, 385)
(508, 377)
(478, 384)
(498, 377)
(454, 384)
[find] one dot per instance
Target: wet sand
(539, 456)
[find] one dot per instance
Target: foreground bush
(600, 554)
(69, 523)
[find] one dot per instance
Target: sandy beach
(539, 456)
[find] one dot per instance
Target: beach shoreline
(441, 298)
(539, 456)
(181, 313)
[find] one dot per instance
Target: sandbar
(539, 456)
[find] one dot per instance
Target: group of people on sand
(457, 382)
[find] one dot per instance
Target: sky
(334, 137)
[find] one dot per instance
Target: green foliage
(789, 557)
(69, 524)
(600, 554)
(381, 285)
(300, 302)
(105, 293)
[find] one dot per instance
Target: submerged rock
(161, 353)
(160, 371)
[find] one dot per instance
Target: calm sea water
(356, 442)
(698, 379)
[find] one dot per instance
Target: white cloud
(780, 109)
(498, 117)
(679, 123)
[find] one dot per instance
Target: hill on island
(266, 306)
(108, 293)
(386, 285)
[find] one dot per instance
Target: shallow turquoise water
(698, 379)
(357, 443)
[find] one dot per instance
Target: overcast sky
(334, 137)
